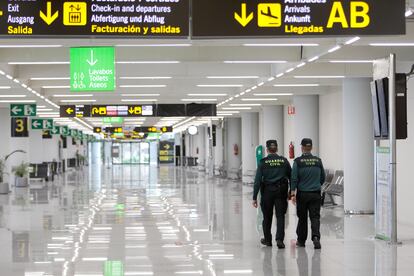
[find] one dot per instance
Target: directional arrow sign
(244, 19)
(65, 131)
(22, 110)
(92, 69)
(49, 18)
(42, 124)
(92, 61)
(56, 130)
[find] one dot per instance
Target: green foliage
(21, 170)
(3, 166)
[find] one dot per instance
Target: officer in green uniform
(272, 179)
(308, 175)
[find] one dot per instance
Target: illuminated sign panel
(297, 18)
(126, 18)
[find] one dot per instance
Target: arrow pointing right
(244, 19)
(92, 61)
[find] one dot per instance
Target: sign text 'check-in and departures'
(92, 69)
(235, 18)
(77, 18)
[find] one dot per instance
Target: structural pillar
(358, 146)
(306, 121)
(233, 142)
(272, 125)
(250, 134)
(218, 150)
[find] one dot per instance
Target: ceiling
(183, 71)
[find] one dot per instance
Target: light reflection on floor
(141, 220)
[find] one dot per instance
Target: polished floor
(142, 220)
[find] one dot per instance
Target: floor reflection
(144, 220)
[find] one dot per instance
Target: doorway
(129, 153)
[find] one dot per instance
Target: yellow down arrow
(48, 17)
(244, 19)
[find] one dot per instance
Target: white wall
(330, 130)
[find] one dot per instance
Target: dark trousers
(275, 198)
(308, 202)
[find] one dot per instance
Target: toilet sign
(92, 69)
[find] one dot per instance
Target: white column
(50, 149)
(218, 150)
(36, 146)
(250, 134)
(272, 125)
(233, 138)
(306, 121)
(358, 146)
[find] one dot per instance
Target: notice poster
(383, 194)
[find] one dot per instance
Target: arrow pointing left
(48, 17)
(16, 110)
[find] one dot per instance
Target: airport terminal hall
(206, 137)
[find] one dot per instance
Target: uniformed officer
(272, 179)
(308, 175)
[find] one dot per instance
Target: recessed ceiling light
(351, 61)
(49, 78)
(78, 101)
(336, 48)
(38, 62)
(56, 87)
(352, 40)
(31, 46)
(220, 85)
(17, 101)
(254, 61)
(145, 78)
(271, 79)
(393, 44)
(273, 94)
(279, 75)
(297, 85)
(258, 99)
(13, 96)
(251, 104)
(155, 45)
(139, 100)
(143, 86)
(199, 100)
(207, 95)
(301, 64)
(5, 87)
(140, 95)
(280, 44)
(313, 59)
(237, 108)
(232, 77)
(408, 13)
(71, 95)
(149, 62)
(319, 77)
(290, 70)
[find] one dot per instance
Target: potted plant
(4, 186)
(21, 173)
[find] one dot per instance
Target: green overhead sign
(42, 124)
(113, 120)
(92, 69)
(65, 131)
(113, 268)
(22, 110)
(55, 130)
(74, 133)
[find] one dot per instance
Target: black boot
(316, 243)
(280, 244)
(264, 242)
(300, 244)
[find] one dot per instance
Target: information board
(383, 194)
(92, 69)
(77, 18)
(264, 18)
